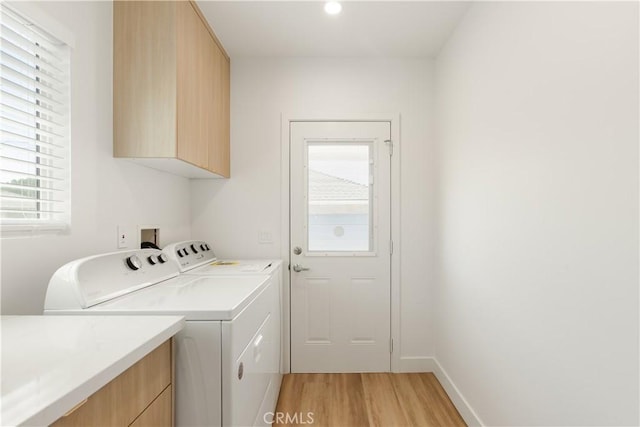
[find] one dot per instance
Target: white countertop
(51, 363)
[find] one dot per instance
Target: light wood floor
(380, 399)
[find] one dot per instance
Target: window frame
(50, 31)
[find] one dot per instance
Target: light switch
(123, 237)
(265, 237)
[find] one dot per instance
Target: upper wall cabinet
(170, 89)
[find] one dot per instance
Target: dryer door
(251, 362)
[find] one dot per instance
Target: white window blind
(34, 126)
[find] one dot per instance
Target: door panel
(363, 320)
(340, 234)
(317, 301)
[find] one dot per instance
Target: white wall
(105, 191)
(231, 213)
(537, 296)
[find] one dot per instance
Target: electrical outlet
(123, 237)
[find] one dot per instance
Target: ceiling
(363, 29)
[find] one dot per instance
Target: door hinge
(390, 345)
(390, 145)
(391, 247)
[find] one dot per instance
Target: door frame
(285, 132)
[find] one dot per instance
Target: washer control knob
(203, 247)
(162, 258)
(152, 259)
(179, 252)
(185, 252)
(193, 248)
(206, 247)
(134, 263)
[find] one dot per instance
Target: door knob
(298, 268)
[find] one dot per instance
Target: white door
(340, 254)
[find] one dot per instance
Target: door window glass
(339, 196)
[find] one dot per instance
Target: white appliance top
(196, 298)
(51, 363)
(197, 257)
(146, 281)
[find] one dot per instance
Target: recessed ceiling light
(332, 7)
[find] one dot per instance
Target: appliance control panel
(89, 281)
(190, 254)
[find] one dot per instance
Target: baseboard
(431, 364)
(417, 364)
(461, 404)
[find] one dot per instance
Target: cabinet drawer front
(158, 414)
(125, 397)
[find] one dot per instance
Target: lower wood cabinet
(159, 413)
(141, 396)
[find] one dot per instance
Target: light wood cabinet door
(171, 89)
(219, 156)
(207, 101)
(122, 400)
(144, 79)
(158, 413)
(191, 86)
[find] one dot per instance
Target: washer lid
(195, 297)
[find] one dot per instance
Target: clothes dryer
(197, 258)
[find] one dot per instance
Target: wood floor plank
(314, 403)
(371, 399)
(290, 393)
(348, 406)
(448, 411)
(383, 406)
(415, 405)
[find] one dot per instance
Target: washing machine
(197, 258)
(226, 354)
